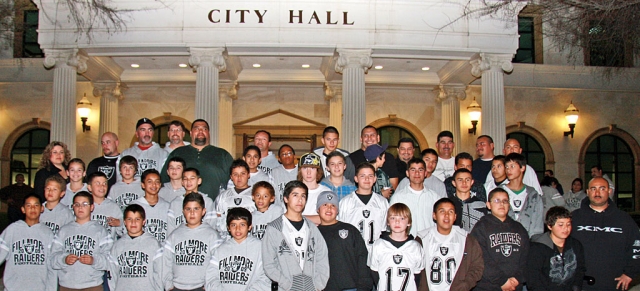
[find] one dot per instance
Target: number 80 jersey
(370, 218)
(396, 266)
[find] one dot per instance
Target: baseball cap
(373, 151)
(147, 121)
(327, 197)
(309, 160)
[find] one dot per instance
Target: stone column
(66, 64)
(491, 68)
(109, 93)
(228, 93)
(208, 62)
(353, 64)
(333, 94)
(450, 96)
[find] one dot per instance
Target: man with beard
(176, 136)
(212, 162)
(148, 153)
(107, 163)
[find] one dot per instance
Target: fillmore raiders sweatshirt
(237, 266)
(136, 264)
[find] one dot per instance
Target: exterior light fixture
(474, 114)
(571, 114)
(84, 109)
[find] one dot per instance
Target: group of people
(187, 216)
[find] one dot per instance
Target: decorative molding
(491, 62)
(332, 90)
(69, 57)
(279, 111)
(229, 89)
(446, 91)
(208, 57)
(113, 88)
(359, 58)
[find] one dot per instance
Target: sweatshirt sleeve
(472, 255)
(365, 282)
(4, 244)
(113, 268)
(101, 259)
(537, 220)
(58, 255)
(581, 269)
(212, 278)
(524, 254)
(632, 267)
(270, 258)
(536, 278)
(167, 264)
(321, 276)
(491, 272)
(157, 269)
(259, 280)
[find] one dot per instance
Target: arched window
(26, 153)
(532, 151)
(161, 134)
(617, 161)
(392, 134)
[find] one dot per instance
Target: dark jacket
(41, 177)
(505, 247)
(550, 270)
(477, 189)
(469, 272)
(468, 211)
(611, 242)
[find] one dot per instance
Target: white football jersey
(442, 256)
(230, 199)
(396, 266)
(370, 218)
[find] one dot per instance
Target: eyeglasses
(498, 201)
(83, 204)
(286, 154)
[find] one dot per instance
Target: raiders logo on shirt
(366, 213)
(505, 250)
(444, 250)
(237, 201)
(343, 233)
(299, 241)
(397, 259)
(517, 203)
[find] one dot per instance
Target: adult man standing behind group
(482, 165)
(369, 136)
(512, 145)
(176, 135)
(107, 164)
(148, 153)
(330, 140)
(268, 161)
(446, 161)
(212, 162)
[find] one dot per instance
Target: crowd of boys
(332, 221)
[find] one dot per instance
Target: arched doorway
(22, 151)
(535, 147)
(392, 129)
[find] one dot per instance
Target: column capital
(360, 58)
(454, 91)
(68, 57)
(229, 89)
(332, 90)
(115, 89)
(208, 57)
(496, 62)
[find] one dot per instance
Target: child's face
(499, 205)
(398, 223)
(464, 164)
(240, 177)
(53, 191)
(336, 166)
(193, 213)
(462, 182)
(561, 229)
(239, 228)
(134, 222)
(32, 208)
(253, 159)
(445, 216)
(98, 187)
(431, 161)
(328, 212)
(309, 174)
(263, 198)
(174, 170)
(151, 184)
(416, 173)
(81, 208)
(190, 181)
(287, 158)
(514, 171)
(498, 171)
(365, 178)
(127, 171)
(380, 161)
(75, 172)
(297, 200)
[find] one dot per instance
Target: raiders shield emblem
(29, 248)
(237, 201)
(191, 249)
(260, 233)
(128, 199)
(505, 250)
(397, 259)
(366, 213)
(517, 203)
(78, 244)
(299, 241)
(444, 251)
(131, 261)
(107, 170)
(343, 233)
(152, 227)
(235, 266)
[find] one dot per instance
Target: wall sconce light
(571, 114)
(474, 114)
(84, 109)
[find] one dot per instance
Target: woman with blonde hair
(54, 161)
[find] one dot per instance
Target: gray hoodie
(101, 214)
(151, 158)
(124, 194)
(157, 218)
(237, 267)
(89, 238)
(186, 255)
(175, 216)
(56, 217)
(282, 266)
(136, 264)
(27, 250)
(532, 213)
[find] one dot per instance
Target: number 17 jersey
(370, 218)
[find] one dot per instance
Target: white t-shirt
(312, 200)
(297, 239)
(444, 168)
(516, 201)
